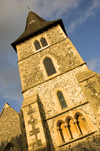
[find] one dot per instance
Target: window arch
(43, 42)
(10, 147)
(82, 124)
(37, 45)
(61, 130)
(72, 126)
(62, 100)
(50, 69)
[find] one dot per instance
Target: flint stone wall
(9, 127)
(47, 91)
(62, 53)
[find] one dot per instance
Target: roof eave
(38, 31)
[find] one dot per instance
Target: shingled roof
(34, 25)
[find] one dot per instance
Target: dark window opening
(61, 129)
(43, 42)
(9, 148)
(37, 45)
(69, 128)
(62, 100)
(50, 69)
(78, 124)
(23, 125)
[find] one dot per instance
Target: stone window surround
(56, 66)
(65, 94)
(49, 66)
(13, 143)
(48, 46)
(66, 143)
(61, 99)
(39, 40)
(89, 125)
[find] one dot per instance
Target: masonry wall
(34, 128)
(91, 88)
(10, 131)
(66, 82)
(59, 49)
(76, 101)
(68, 65)
(88, 141)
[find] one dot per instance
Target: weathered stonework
(89, 143)
(53, 35)
(34, 128)
(10, 128)
(63, 52)
(47, 90)
(83, 108)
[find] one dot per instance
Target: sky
(81, 19)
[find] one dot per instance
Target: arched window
(43, 42)
(82, 124)
(62, 129)
(62, 99)
(37, 45)
(70, 126)
(10, 148)
(62, 132)
(50, 69)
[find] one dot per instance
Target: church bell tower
(61, 95)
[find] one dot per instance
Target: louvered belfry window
(61, 99)
(50, 69)
(43, 42)
(37, 45)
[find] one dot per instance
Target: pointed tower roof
(34, 25)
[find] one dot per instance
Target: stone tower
(61, 107)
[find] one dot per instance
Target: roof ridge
(6, 104)
(33, 17)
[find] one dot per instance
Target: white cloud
(56, 8)
(90, 12)
(94, 64)
(47, 8)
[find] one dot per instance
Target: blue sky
(82, 23)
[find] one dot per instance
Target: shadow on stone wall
(15, 141)
(90, 143)
(50, 145)
(23, 131)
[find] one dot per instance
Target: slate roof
(34, 25)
